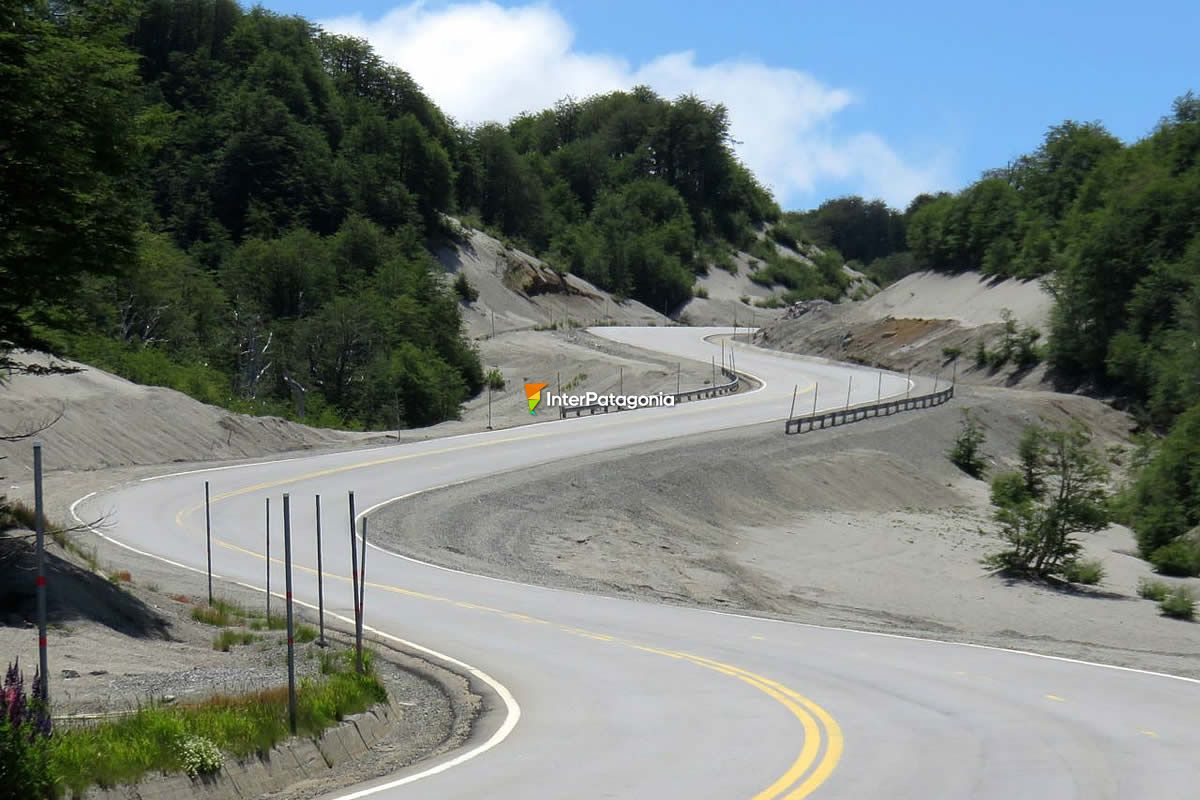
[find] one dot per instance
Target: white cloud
(482, 62)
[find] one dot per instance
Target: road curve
(602, 697)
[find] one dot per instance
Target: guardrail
(702, 393)
(885, 408)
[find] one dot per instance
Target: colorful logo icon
(533, 393)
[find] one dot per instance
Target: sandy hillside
(108, 421)
(867, 526)
(918, 323)
(518, 291)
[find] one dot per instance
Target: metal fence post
(908, 388)
(362, 583)
(795, 389)
(208, 540)
(268, 563)
(358, 665)
(320, 583)
(291, 641)
(879, 391)
(816, 388)
(39, 525)
(849, 386)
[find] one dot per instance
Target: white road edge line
(512, 708)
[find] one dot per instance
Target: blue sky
(883, 99)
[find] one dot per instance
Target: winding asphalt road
(597, 697)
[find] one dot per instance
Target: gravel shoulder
(867, 526)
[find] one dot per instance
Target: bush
(1181, 558)
(1180, 604)
(1008, 490)
(1153, 590)
(1088, 572)
(1040, 531)
(966, 451)
(700, 292)
(463, 288)
(199, 756)
(951, 353)
(494, 380)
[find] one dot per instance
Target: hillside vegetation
(1114, 232)
(241, 206)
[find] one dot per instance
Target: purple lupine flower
(14, 695)
(42, 725)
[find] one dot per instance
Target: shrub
(951, 353)
(1153, 590)
(981, 354)
(1008, 490)
(1040, 532)
(1180, 604)
(1086, 571)
(966, 451)
(701, 292)
(463, 288)
(494, 380)
(1181, 557)
(199, 755)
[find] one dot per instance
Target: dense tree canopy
(241, 205)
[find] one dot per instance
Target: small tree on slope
(1068, 497)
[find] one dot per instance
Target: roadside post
(795, 389)
(879, 391)
(713, 359)
(320, 583)
(39, 525)
(816, 388)
(362, 582)
(208, 540)
(291, 641)
(849, 386)
(268, 563)
(621, 379)
(354, 588)
(954, 377)
(678, 368)
(935, 381)
(908, 387)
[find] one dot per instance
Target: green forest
(1114, 231)
(238, 205)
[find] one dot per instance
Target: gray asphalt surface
(596, 697)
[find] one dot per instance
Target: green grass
(150, 741)
(1153, 590)
(224, 613)
(1086, 571)
(226, 639)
